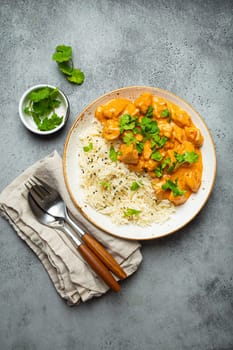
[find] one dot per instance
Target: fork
(49, 199)
(92, 260)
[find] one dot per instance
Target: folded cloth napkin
(73, 279)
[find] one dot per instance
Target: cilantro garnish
(149, 112)
(160, 169)
(135, 185)
(187, 157)
(88, 148)
(127, 122)
(149, 126)
(63, 57)
(131, 212)
(129, 138)
(156, 155)
(105, 184)
(49, 123)
(41, 106)
(158, 141)
(165, 113)
(113, 154)
(173, 186)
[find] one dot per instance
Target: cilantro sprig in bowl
(44, 109)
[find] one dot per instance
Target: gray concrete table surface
(182, 295)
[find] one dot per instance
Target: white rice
(97, 168)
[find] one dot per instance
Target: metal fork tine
(43, 184)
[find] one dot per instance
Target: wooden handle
(98, 267)
(104, 255)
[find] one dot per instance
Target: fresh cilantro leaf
(149, 112)
(40, 94)
(106, 185)
(66, 67)
(131, 212)
(158, 171)
(88, 148)
(50, 123)
(173, 186)
(76, 77)
(149, 126)
(129, 138)
(156, 155)
(113, 154)
(135, 185)
(63, 57)
(41, 106)
(187, 157)
(63, 53)
(127, 122)
(158, 141)
(139, 146)
(165, 113)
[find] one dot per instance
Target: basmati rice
(107, 184)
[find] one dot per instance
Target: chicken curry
(155, 136)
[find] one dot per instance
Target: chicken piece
(111, 129)
(131, 109)
(139, 167)
(181, 118)
(166, 128)
(147, 151)
(150, 164)
(112, 109)
(192, 180)
(194, 135)
(159, 105)
(128, 154)
(143, 102)
(178, 133)
(178, 200)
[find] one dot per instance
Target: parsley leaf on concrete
(63, 53)
(64, 59)
(76, 76)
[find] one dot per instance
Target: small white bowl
(62, 110)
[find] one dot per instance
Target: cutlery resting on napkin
(73, 279)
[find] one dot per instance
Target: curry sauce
(155, 136)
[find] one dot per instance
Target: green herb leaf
(113, 154)
(127, 122)
(156, 155)
(40, 94)
(149, 126)
(135, 185)
(66, 67)
(129, 138)
(165, 113)
(158, 172)
(131, 212)
(187, 157)
(50, 123)
(173, 186)
(88, 148)
(139, 146)
(106, 185)
(63, 53)
(158, 141)
(149, 112)
(76, 77)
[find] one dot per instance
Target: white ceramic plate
(184, 213)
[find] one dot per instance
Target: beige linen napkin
(73, 279)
